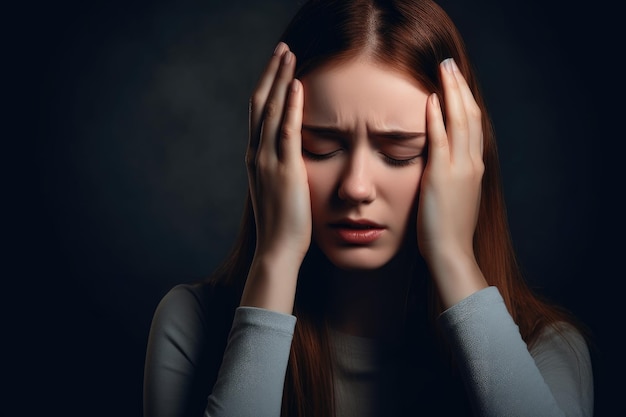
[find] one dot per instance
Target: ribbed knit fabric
(502, 376)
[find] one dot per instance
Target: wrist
(280, 260)
(271, 283)
(456, 273)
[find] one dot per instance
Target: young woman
(374, 272)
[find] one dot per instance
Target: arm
(503, 377)
(251, 375)
(250, 381)
(278, 184)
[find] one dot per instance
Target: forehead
(360, 91)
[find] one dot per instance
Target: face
(363, 140)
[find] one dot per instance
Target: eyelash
(400, 162)
(317, 156)
(389, 160)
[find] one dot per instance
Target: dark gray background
(132, 119)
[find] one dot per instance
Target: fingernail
(279, 48)
(287, 57)
(295, 86)
(449, 65)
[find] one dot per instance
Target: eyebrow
(388, 134)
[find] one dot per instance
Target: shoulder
(185, 347)
(181, 297)
(194, 309)
(182, 302)
(197, 296)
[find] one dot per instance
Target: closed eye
(396, 162)
(318, 144)
(318, 156)
(403, 152)
(396, 148)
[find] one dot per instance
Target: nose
(356, 184)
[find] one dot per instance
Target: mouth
(358, 224)
(357, 232)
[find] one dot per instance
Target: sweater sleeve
(251, 377)
(504, 377)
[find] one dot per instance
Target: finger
(274, 108)
(456, 119)
(290, 146)
(474, 117)
(259, 97)
(438, 148)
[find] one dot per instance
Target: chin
(358, 258)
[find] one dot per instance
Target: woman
(375, 219)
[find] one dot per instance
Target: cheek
(322, 181)
(402, 189)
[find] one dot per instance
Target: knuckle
(479, 166)
(474, 112)
(250, 160)
(291, 106)
(287, 132)
(262, 161)
(271, 109)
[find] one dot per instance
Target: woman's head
(367, 68)
(364, 147)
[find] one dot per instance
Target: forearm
(251, 377)
(500, 374)
(271, 283)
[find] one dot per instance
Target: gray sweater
(501, 375)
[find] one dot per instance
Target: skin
(353, 115)
(293, 196)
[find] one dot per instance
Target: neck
(370, 303)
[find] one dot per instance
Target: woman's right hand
(278, 185)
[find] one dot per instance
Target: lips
(357, 231)
(357, 224)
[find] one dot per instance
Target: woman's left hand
(450, 188)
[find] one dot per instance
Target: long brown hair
(413, 36)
